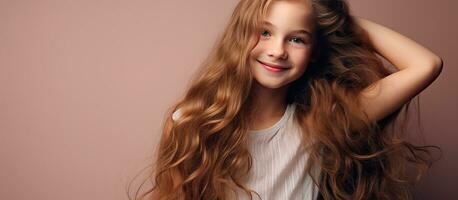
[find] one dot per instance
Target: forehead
(297, 14)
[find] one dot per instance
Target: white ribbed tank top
(278, 170)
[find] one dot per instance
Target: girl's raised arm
(418, 68)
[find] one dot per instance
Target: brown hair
(204, 155)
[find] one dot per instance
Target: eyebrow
(301, 31)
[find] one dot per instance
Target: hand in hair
(418, 68)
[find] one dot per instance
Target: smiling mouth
(273, 66)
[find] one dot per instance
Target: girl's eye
(262, 33)
(299, 40)
(294, 39)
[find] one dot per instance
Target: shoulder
(306, 118)
(176, 114)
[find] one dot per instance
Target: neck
(268, 105)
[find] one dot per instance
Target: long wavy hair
(204, 154)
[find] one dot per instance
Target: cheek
(256, 51)
(301, 58)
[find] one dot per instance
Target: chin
(270, 85)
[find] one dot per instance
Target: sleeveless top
(279, 162)
(278, 170)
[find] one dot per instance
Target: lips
(273, 66)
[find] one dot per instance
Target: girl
(293, 103)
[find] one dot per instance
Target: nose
(277, 50)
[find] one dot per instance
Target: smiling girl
(293, 103)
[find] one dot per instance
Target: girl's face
(285, 43)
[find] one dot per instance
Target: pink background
(84, 86)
